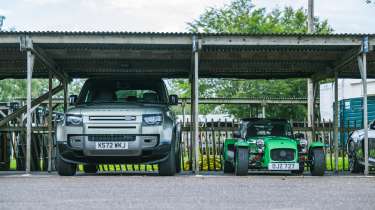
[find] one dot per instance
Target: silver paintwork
(114, 118)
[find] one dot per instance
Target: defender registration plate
(111, 145)
(283, 166)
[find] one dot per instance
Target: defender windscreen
(122, 92)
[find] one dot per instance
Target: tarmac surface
(140, 191)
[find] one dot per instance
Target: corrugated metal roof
(168, 54)
(179, 33)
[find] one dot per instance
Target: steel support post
(365, 111)
(192, 118)
(30, 66)
(195, 78)
(50, 109)
(362, 64)
(310, 83)
(336, 123)
(183, 113)
(310, 107)
(65, 84)
(310, 16)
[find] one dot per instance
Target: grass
(212, 166)
(106, 167)
(123, 167)
(213, 162)
(13, 164)
(343, 163)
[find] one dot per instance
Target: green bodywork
(260, 159)
(270, 142)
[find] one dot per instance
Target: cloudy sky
(345, 16)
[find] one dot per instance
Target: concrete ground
(186, 191)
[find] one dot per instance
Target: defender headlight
(152, 119)
(73, 120)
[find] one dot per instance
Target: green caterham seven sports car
(269, 144)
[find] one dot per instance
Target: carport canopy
(169, 55)
(68, 55)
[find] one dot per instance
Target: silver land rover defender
(119, 121)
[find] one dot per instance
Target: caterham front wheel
(228, 167)
(241, 162)
(317, 162)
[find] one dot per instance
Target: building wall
(348, 89)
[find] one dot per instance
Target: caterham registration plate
(283, 166)
(112, 145)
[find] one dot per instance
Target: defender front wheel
(242, 162)
(168, 167)
(65, 168)
(318, 164)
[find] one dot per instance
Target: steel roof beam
(27, 44)
(112, 39)
(348, 57)
(246, 101)
(282, 40)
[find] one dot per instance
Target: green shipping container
(351, 112)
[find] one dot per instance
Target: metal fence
(212, 135)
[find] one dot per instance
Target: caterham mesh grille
(282, 154)
(113, 137)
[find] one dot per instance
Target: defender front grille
(113, 118)
(282, 154)
(111, 137)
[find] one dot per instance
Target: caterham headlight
(260, 144)
(73, 120)
(303, 144)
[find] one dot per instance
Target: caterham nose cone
(275, 143)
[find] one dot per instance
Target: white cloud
(162, 15)
(43, 2)
(4, 12)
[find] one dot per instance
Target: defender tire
(168, 167)
(178, 161)
(228, 167)
(317, 160)
(90, 169)
(64, 168)
(5, 166)
(241, 167)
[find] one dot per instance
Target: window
(122, 92)
(268, 129)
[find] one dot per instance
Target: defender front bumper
(146, 155)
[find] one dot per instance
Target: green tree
(241, 16)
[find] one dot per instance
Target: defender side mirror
(73, 99)
(236, 134)
(173, 99)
